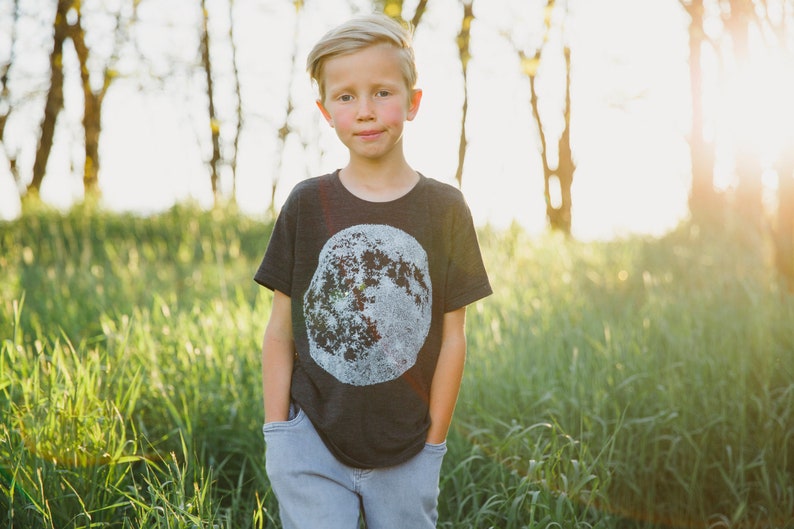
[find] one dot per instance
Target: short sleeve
(467, 279)
(275, 270)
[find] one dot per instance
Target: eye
(345, 98)
(382, 93)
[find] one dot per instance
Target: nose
(365, 109)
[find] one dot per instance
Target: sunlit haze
(630, 117)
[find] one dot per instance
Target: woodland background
(246, 106)
(641, 380)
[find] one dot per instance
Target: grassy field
(631, 384)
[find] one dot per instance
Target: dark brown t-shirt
(370, 283)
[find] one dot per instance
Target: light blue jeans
(315, 490)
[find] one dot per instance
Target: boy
(372, 267)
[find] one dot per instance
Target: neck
(378, 182)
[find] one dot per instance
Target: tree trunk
(285, 130)
(54, 102)
(530, 66)
(464, 54)
(784, 231)
(703, 199)
(5, 93)
(749, 190)
(92, 124)
(92, 112)
(560, 216)
(238, 100)
(215, 128)
(784, 236)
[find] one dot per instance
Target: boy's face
(367, 101)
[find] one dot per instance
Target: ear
(413, 107)
(325, 113)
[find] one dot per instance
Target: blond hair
(357, 34)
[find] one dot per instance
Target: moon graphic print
(368, 306)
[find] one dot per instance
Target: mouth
(369, 134)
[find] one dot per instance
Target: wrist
(435, 437)
(277, 413)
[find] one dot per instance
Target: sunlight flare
(756, 107)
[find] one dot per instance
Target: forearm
(278, 356)
(448, 375)
(276, 377)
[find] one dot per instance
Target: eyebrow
(345, 86)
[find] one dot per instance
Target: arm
(278, 350)
(447, 378)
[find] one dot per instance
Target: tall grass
(637, 383)
(668, 362)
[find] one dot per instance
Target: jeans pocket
(296, 416)
(436, 447)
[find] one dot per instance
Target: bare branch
(420, 10)
(5, 96)
(238, 101)
(286, 129)
(214, 123)
(464, 55)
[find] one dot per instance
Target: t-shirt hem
(384, 463)
(272, 283)
(469, 297)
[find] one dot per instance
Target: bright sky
(630, 117)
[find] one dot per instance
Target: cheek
(393, 114)
(343, 119)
